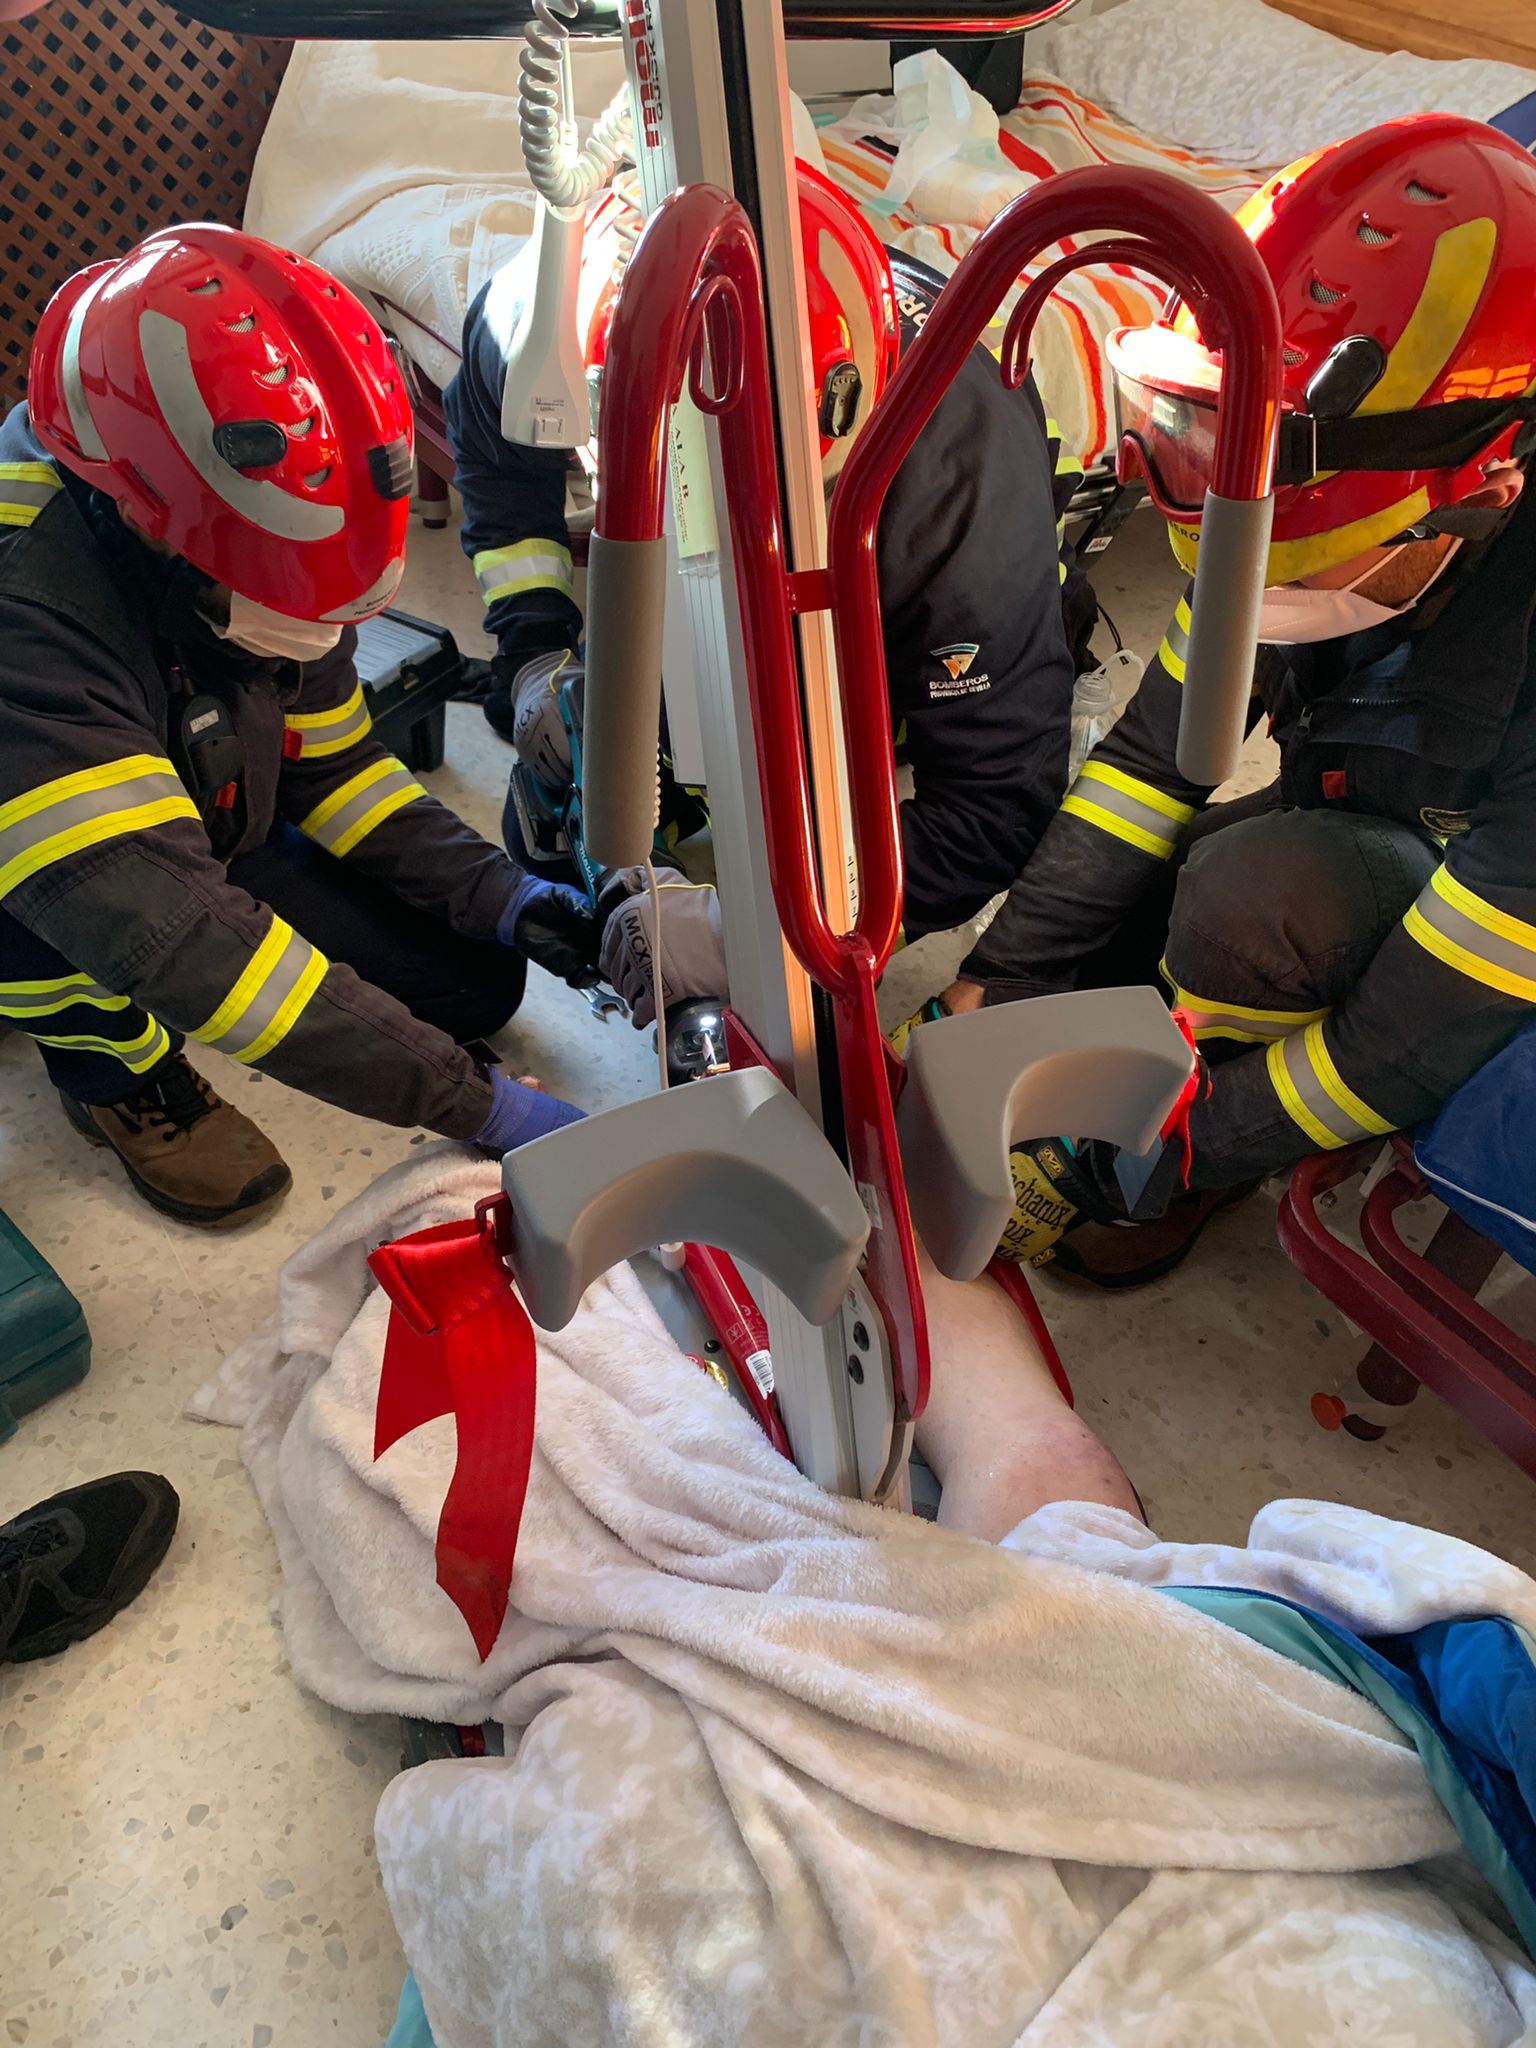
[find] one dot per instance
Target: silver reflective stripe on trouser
(1314, 1094)
(1137, 812)
(526, 566)
(21, 1000)
(350, 813)
(1210, 1017)
(76, 811)
(266, 1002)
(25, 488)
(1474, 936)
(30, 1005)
(138, 1054)
(1174, 651)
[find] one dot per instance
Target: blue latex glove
(554, 925)
(519, 1115)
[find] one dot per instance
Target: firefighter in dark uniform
(1351, 943)
(198, 835)
(972, 573)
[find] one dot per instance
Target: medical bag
(44, 1343)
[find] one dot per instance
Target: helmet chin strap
(1473, 524)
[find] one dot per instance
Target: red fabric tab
(224, 798)
(1335, 785)
(1176, 1125)
(460, 1343)
(293, 743)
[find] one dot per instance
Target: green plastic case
(44, 1343)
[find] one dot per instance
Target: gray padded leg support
(626, 597)
(1102, 1063)
(1223, 634)
(733, 1162)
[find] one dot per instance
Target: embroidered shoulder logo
(958, 657)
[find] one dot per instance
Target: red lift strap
(1176, 1124)
(460, 1343)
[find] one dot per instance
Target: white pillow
(1234, 80)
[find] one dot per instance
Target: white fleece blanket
(787, 1769)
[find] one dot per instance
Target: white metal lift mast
(712, 104)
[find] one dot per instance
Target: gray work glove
(692, 950)
(538, 730)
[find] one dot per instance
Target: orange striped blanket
(1052, 129)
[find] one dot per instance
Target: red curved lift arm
(695, 272)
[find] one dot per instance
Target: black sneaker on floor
(71, 1563)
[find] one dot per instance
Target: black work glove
(554, 926)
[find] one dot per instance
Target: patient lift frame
(786, 667)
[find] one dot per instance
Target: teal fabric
(1308, 1641)
(410, 2029)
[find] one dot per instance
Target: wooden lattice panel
(116, 117)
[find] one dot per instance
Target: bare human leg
(997, 1435)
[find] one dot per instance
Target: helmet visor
(1169, 440)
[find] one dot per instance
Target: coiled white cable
(564, 177)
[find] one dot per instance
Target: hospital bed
(1118, 87)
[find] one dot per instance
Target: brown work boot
(1132, 1254)
(190, 1154)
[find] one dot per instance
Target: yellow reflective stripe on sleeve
(1136, 812)
(289, 1010)
(1337, 1089)
(265, 1003)
(22, 999)
(64, 816)
(331, 732)
(1474, 936)
(1173, 652)
(256, 970)
(25, 488)
(83, 782)
(138, 1055)
(365, 778)
(386, 807)
(1118, 828)
(363, 802)
(526, 565)
(1209, 1017)
(1141, 792)
(117, 825)
(1296, 1109)
(1317, 1100)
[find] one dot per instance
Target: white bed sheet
(1239, 82)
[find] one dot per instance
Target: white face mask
(1291, 615)
(273, 635)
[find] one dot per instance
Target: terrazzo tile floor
(185, 1838)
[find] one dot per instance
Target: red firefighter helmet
(1404, 261)
(242, 408)
(850, 296)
